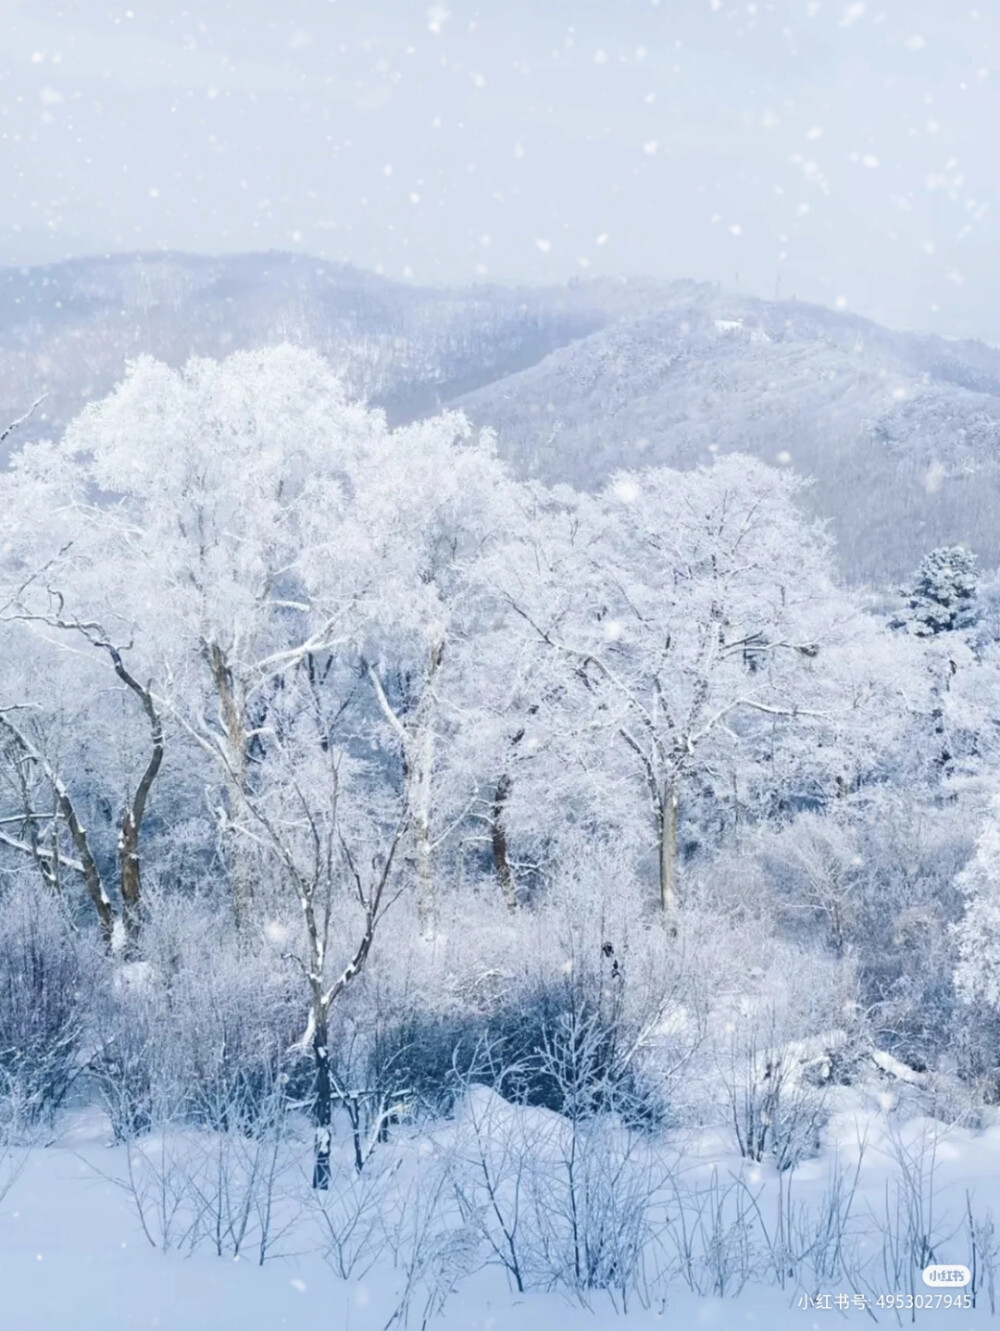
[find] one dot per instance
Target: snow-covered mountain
(67, 329)
(900, 431)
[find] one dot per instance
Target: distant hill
(900, 431)
(68, 328)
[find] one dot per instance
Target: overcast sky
(835, 150)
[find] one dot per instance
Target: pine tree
(943, 596)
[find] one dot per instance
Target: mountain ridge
(901, 431)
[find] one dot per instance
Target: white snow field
(73, 1253)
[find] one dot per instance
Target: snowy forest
(499, 665)
(358, 794)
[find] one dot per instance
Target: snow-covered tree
(280, 576)
(431, 505)
(697, 622)
(942, 598)
(943, 611)
(977, 974)
(214, 499)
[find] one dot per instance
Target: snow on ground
(72, 1254)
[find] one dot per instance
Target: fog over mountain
(899, 430)
(827, 149)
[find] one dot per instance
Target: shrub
(560, 1045)
(43, 976)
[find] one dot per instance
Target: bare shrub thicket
(776, 1110)
(196, 1028)
(233, 1190)
(349, 1216)
(561, 1198)
(46, 983)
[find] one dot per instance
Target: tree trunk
(87, 864)
(132, 819)
(322, 1103)
(422, 795)
(668, 853)
(241, 880)
(234, 722)
(91, 874)
(129, 876)
(420, 761)
(498, 836)
(417, 741)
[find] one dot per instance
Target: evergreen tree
(943, 596)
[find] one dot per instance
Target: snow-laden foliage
(899, 429)
(355, 778)
(943, 596)
(978, 934)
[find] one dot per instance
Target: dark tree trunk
(91, 873)
(322, 1107)
(130, 879)
(135, 812)
(130, 875)
(498, 836)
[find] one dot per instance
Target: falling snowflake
(627, 490)
(437, 15)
